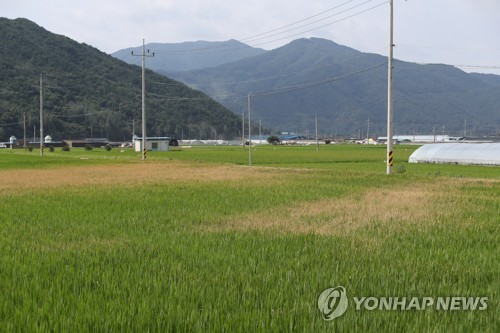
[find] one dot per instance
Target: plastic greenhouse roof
(458, 153)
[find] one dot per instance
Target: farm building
(153, 143)
(458, 153)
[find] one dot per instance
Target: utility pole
(260, 130)
(368, 133)
(243, 130)
(24, 129)
(465, 127)
(390, 154)
(41, 115)
(249, 130)
(143, 56)
(316, 124)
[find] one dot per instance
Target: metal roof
(458, 153)
(153, 138)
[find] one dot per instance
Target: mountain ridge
(308, 77)
(175, 57)
(426, 97)
(87, 91)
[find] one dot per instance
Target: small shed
(458, 153)
(159, 143)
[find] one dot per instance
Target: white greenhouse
(458, 153)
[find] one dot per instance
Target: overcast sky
(457, 32)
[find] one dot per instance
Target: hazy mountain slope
(84, 88)
(175, 57)
(425, 96)
(488, 78)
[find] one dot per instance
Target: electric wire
(249, 41)
(314, 84)
(238, 41)
(296, 22)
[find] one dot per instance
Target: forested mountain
(345, 88)
(488, 78)
(84, 88)
(178, 57)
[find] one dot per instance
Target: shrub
(65, 148)
(401, 169)
(88, 147)
(273, 139)
(108, 147)
(51, 149)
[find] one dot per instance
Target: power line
(310, 69)
(11, 124)
(221, 46)
(310, 23)
(82, 114)
(317, 83)
(297, 22)
(323, 26)
(449, 48)
(420, 64)
(274, 92)
(248, 40)
(477, 66)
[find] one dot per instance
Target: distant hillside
(488, 78)
(177, 57)
(86, 89)
(345, 88)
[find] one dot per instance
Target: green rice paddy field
(195, 240)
